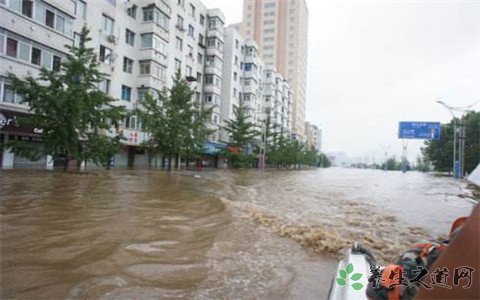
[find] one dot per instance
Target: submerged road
(150, 234)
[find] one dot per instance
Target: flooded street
(149, 234)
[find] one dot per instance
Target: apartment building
(260, 90)
(280, 27)
(140, 44)
(314, 136)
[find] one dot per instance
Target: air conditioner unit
(112, 39)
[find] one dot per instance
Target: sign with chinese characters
(419, 130)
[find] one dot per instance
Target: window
(191, 31)
(8, 94)
(269, 39)
(178, 65)
(200, 58)
(60, 24)
(270, 5)
(269, 14)
(235, 76)
(200, 39)
(57, 63)
(179, 44)
(199, 77)
(236, 44)
(144, 68)
(105, 54)
(81, 9)
(236, 60)
(24, 52)
(111, 2)
(202, 20)
(108, 24)
(49, 18)
(268, 22)
(147, 40)
(104, 86)
(129, 37)
(192, 11)
(152, 13)
(2, 42)
(46, 59)
(132, 11)
(234, 92)
(213, 80)
(12, 47)
(188, 71)
(190, 51)
(127, 64)
(76, 39)
(269, 30)
(179, 22)
(27, 8)
(248, 67)
(148, 14)
(126, 93)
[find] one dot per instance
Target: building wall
(280, 27)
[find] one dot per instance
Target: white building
(140, 45)
(247, 82)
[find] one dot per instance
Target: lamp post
(458, 162)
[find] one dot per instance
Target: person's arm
(464, 250)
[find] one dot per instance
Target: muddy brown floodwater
(243, 235)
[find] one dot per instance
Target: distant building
(248, 83)
(280, 27)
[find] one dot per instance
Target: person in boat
(412, 274)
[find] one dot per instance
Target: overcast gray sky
(375, 63)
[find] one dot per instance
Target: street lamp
(458, 165)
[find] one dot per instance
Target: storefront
(211, 155)
(11, 130)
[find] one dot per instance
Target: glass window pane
(24, 52)
(2, 43)
(15, 4)
(60, 23)
(36, 56)
(46, 59)
(49, 18)
(68, 27)
(39, 13)
(11, 47)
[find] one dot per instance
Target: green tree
(240, 129)
(72, 112)
(440, 153)
(177, 127)
(241, 132)
(152, 114)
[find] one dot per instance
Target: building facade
(140, 45)
(260, 90)
(280, 27)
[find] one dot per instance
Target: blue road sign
(419, 130)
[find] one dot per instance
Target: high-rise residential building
(280, 27)
(260, 90)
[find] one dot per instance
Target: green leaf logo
(342, 280)
(357, 286)
(356, 276)
(349, 268)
